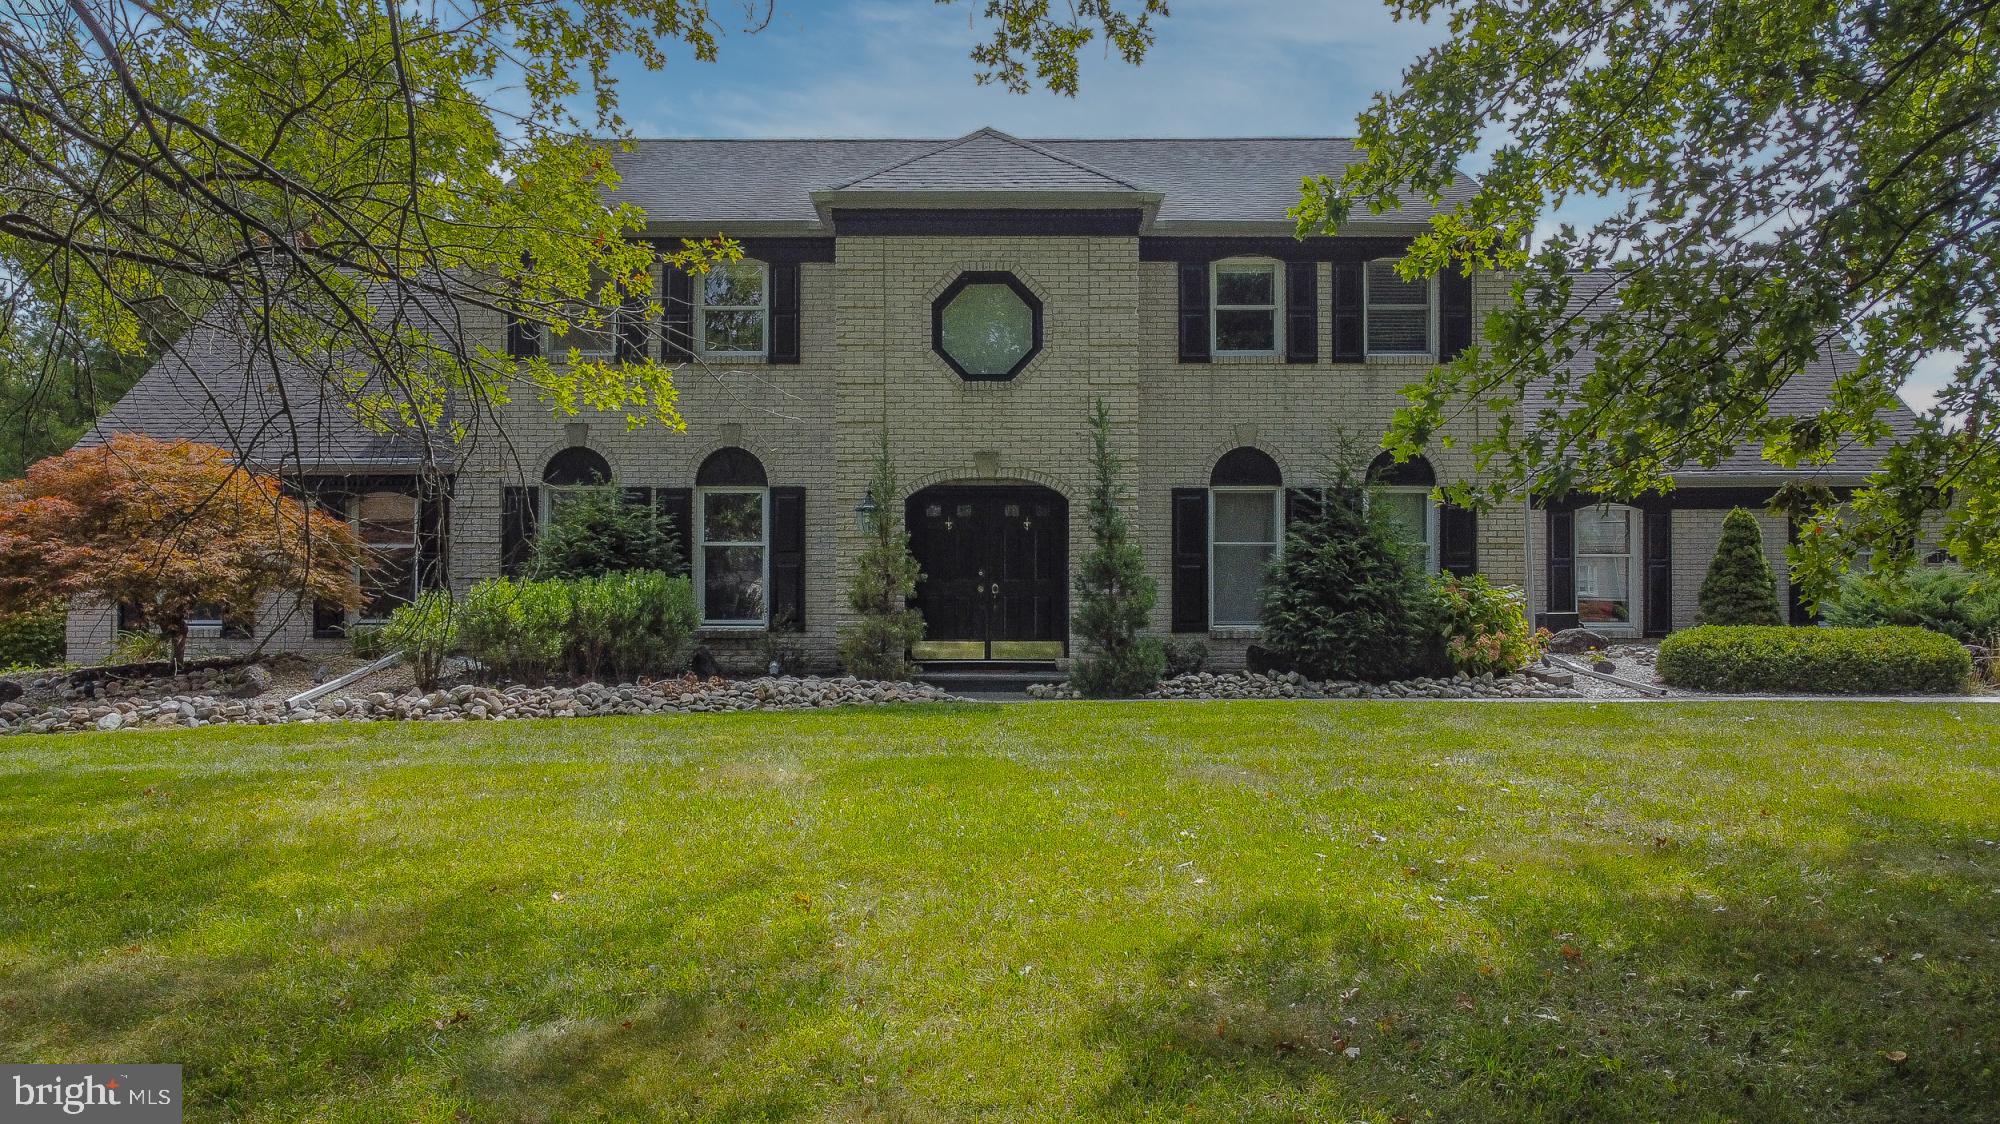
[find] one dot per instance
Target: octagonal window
(987, 325)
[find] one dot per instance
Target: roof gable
(987, 161)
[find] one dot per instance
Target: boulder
(703, 664)
(252, 681)
(9, 690)
(1576, 641)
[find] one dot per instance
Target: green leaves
(1797, 187)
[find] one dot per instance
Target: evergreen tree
(1348, 600)
(877, 645)
(595, 532)
(1114, 595)
(1739, 588)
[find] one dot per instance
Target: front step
(997, 677)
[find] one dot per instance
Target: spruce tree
(1739, 588)
(877, 645)
(1114, 595)
(1349, 600)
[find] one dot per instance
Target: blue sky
(899, 68)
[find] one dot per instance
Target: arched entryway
(996, 571)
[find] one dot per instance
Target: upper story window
(987, 325)
(596, 342)
(1400, 313)
(1245, 317)
(733, 309)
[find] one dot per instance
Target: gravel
(1250, 685)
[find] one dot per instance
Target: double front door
(995, 563)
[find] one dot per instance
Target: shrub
(877, 644)
(1114, 594)
(365, 641)
(516, 629)
(35, 637)
(656, 623)
(596, 531)
(1739, 588)
(1839, 661)
(1947, 599)
(1185, 655)
(1348, 600)
(1485, 626)
(426, 631)
(631, 623)
(140, 646)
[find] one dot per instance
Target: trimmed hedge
(1829, 661)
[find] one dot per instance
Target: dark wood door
(995, 563)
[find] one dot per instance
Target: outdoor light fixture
(864, 512)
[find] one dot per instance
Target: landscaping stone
(1291, 685)
(1577, 641)
(478, 702)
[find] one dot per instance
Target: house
(970, 299)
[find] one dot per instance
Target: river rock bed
(471, 702)
(1251, 685)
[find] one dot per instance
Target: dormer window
(1244, 314)
(1400, 319)
(732, 310)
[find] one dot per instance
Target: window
(1243, 318)
(1605, 567)
(569, 473)
(597, 342)
(987, 325)
(1398, 311)
(732, 559)
(386, 522)
(1414, 516)
(732, 310)
(1245, 528)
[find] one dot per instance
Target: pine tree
(1739, 588)
(1114, 595)
(877, 645)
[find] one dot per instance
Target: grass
(1374, 911)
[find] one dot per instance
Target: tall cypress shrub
(1739, 588)
(877, 645)
(1114, 594)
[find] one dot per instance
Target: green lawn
(1371, 911)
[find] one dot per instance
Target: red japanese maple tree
(167, 527)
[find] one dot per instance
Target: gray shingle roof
(699, 184)
(1593, 294)
(214, 386)
(988, 160)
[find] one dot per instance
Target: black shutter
(329, 620)
(788, 559)
(1190, 560)
(1458, 540)
(1303, 505)
(676, 315)
(519, 508)
(524, 338)
(635, 497)
(1562, 562)
(1454, 314)
(677, 505)
(1194, 312)
(1659, 573)
(784, 342)
(433, 534)
(1348, 345)
(1302, 312)
(630, 325)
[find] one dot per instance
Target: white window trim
(1430, 319)
(763, 311)
(1276, 307)
(1277, 495)
(1634, 572)
(699, 555)
(1430, 518)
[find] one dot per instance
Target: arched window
(1246, 307)
(1404, 492)
(732, 540)
(569, 473)
(1246, 521)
